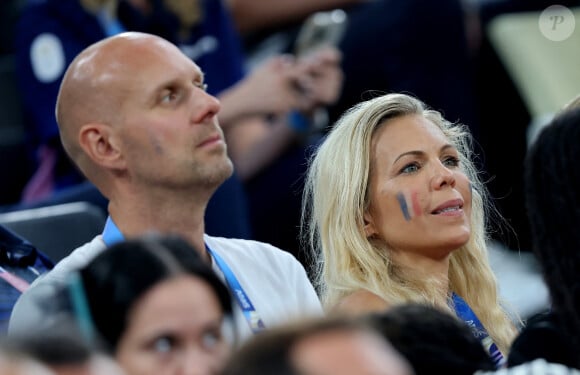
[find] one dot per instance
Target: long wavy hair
(552, 181)
(336, 196)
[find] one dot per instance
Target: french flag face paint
(416, 207)
(403, 203)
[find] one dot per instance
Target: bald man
(134, 116)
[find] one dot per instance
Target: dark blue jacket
(22, 260)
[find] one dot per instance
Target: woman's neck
(434, 269)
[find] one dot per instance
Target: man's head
(133, 108)
(321, 347)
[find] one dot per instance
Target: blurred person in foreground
(332, 346)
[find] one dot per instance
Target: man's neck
(137, 216)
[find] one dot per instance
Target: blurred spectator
(536, 367)
(552, 181)
(164, 315)
(321, 347)
(64, 351)
(503, 156)
(9, 13)
(20, 264)
(388, 46)
(433, 341)
(17, 363)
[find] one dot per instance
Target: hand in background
(272, 87)
(321, 76)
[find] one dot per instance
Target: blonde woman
(394, 212)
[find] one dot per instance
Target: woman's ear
(369, 226)
(99, 143)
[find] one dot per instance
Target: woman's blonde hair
(345, 260)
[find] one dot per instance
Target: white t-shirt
(274, 281)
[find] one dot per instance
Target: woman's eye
(451, 162)
(163, 344)
(410, 168)
(211, 339)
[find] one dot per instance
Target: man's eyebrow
(199, 75)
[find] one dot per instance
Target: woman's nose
(197, 362)
(443, 176)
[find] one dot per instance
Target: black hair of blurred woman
(116, 279)
(552, 186)
(433, 341)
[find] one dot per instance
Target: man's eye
(200, 85)
(169, 97)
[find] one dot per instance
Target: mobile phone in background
(319, 30)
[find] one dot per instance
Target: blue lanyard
(112, 234)
(252, 316)
(463, 311)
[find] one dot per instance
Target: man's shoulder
(77, 259)
(241, 250)
(34, 308)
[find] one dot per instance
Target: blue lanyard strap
(111, 233)
(252, 316)
(465, 313)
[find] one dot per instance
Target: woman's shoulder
(360, 302)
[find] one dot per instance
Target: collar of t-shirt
(112, 234)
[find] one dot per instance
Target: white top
(274, 280)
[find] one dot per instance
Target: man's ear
(99, 143)
(369, 226)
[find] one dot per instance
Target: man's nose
(206, 106)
